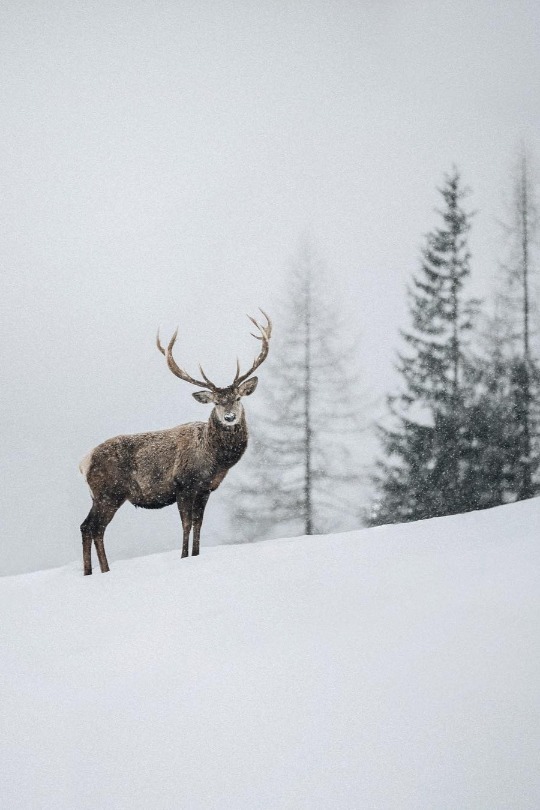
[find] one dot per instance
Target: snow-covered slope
(397, 667)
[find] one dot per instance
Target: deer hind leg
(93, 528)
(185, 507)
(199, 504)
(87, 547)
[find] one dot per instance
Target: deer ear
(203, 396)
(248, 387)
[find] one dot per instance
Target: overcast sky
(160, 163)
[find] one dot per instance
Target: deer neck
(226, 442)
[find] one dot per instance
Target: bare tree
(303, 470)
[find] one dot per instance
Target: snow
(395, 667)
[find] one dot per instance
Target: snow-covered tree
(519, 296)
(492, 447)
(302, 470)
(424, 472)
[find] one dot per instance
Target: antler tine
(264, 337)
(266, 331)
(175, 368)
(268, 324)
(158, 344)
(209, 383)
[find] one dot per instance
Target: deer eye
(238, 399)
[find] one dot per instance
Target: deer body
(183, 464)
(150, 469)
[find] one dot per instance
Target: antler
(179, 372)
(266, 332)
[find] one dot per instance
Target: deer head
(227, 404)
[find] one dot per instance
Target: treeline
(462, 432)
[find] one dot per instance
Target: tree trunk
(308, 508)
(526, 489)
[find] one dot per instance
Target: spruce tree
(424, 472)
(520, 300)
(503, 427)
(492, 448)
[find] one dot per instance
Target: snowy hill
(397, 667)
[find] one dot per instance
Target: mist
(160, 166)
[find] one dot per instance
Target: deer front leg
(199, 503)
(185, 502)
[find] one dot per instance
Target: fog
(160, 164)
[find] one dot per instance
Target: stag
(183, 464)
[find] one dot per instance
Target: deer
(181, 465)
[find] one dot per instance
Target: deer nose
(229, 417)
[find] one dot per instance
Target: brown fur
(184, 464)
(152, 470)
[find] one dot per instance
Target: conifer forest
(461, 429)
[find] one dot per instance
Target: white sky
(159, 164)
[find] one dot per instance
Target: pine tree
(520, 302)
(503, 423)
(425, 472)
(492, 449)
(301, 471)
